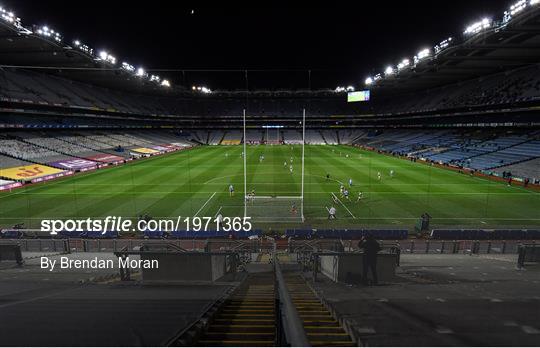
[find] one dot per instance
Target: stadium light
(423, 54)
(128, 67)
(140, 72)
(9, 17)
(404, 63)
(442, 45)
(344, 89)
(49, 33)
(389, 71)
(80, 46)
(165, 83)
(201, 89)
(103, 55)
(516, 8)
(478, 27)
(154, 78)
(369, 81)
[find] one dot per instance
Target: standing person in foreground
(369, 262)
(231, 190)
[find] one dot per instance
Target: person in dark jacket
(371, 248)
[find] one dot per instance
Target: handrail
(291, 322)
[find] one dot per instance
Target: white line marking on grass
(218, 211)
(205, 203)
(344, 206)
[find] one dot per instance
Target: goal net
(274, 177)
(274, 209)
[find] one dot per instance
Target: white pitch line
(344, 206)
(218, 211)
(204, 205)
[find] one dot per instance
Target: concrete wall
(180, 267)
(348, 268)
(219, 266)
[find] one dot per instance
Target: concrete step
(235, 343)
(251, 336)
(239, 328)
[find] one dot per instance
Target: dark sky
(341, 44)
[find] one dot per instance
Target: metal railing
(290, 328)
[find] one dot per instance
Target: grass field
(195, 182)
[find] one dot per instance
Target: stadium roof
(45, 49)
(485, 47)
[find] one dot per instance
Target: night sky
(340, 45)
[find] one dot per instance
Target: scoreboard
(359, 96)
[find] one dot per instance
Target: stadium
(227, 206)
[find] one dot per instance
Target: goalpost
(276, 208)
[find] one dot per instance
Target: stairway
(247, 318)
(322, 329)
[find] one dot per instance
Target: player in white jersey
(219, 218)
(331, 213)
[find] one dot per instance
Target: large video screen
(359, 96)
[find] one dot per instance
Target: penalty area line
(344, 206)
(205, 203)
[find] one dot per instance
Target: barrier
(42, 245)
(528, 253)
(384, 234)
(11, 234)
(105, 158)
(348, 267)
(202, 234)
(184, 266)
(11, 252)
(481, 234)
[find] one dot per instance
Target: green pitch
(196, 183)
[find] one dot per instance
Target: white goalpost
(276, 208)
